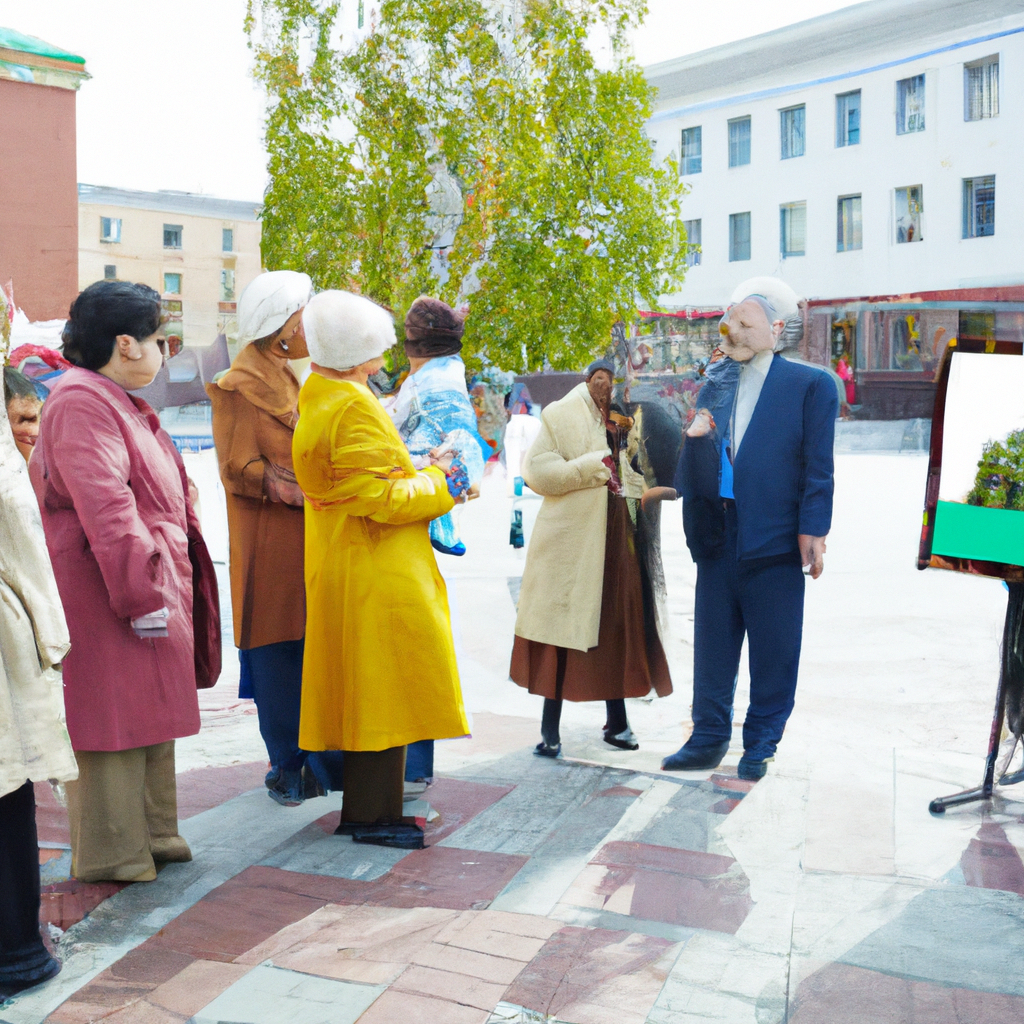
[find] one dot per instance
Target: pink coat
(111, 487)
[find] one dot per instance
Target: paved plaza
(597, 889)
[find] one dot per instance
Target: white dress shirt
(752, 378)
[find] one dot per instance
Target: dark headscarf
(432, 328)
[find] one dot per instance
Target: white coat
(563, 582)
(34, 743)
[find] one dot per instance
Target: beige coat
(560, 598)
(34, 742)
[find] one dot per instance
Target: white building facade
(874, 159)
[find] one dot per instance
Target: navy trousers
(274, 673)
(762, 599)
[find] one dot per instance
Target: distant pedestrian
(34, 744)
(255, 409)
(379, 670)
(119, 526)
(755, 475)
(586, 628)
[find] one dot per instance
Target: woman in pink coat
(112, 490)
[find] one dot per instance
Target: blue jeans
(762, 599)
(274, 673)
(419, 760)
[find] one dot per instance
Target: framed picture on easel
(974, 509)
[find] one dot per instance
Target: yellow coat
(379, 668)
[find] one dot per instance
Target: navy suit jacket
(782, 474)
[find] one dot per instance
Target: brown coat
(255, 409)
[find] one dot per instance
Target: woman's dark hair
(102, 312)
(17, 385)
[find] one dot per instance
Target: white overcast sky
(171, 103)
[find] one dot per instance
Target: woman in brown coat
(255, 409)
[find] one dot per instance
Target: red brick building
(38, 173)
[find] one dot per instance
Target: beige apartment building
(198, 251)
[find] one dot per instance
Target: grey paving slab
(313, 852)
(959, 936)
(225, 840)
(521, 821)
(688, 821)
(273, 995)
(509, 1013)
(588, 918)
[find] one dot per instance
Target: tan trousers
(374, 785)
(123, 812)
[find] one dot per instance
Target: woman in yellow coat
(379, 669)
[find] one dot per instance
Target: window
(739, 142)
(793, 228)
(908, 214)
(979, 206)
(172, 284)
(110, 229)
(739, 236)
(848, 227)
(690, 151)
(110, 272)
(981, 88)
(172, 236)
(792, 127)
(910, 105)
(227, 285)
(692, 228)
(848, 119)
(359, 14)
(227, 239)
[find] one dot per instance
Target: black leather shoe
(751, 770)
(623, 740)
(543, 750)
(695, 759)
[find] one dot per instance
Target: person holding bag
(124, 541)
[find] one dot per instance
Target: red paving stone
(203, 788)
(66, 903)
(725, 806)
(991, 861)
(853, 995)
(569, 968)
(457, 802)
(620, 791)
(684, 887)
(51, 818)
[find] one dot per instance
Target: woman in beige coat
(34, 743)
(586, 628)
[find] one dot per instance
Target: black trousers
(23, 957)
(552, 716)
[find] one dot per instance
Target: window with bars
(791, 124)
(739, 141)
(692, 228)
(981, 88)
(849, 230)
(172, 284)
(690, 151)
(793, 229)
(227, 285)
(739, 237)
(909, 205)
(979, 207)
(848, 119)
(910, 105)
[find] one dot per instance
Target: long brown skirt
(628, 660)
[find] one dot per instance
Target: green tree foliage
(492, 119)
(999, 482)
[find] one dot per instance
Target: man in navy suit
(755, 475)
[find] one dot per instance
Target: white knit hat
(269, 300)
(778, 294)
(344, 330)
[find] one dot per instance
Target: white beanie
(269, 300)
(344, 330)
(774, 291)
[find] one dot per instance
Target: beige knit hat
(344, 330)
